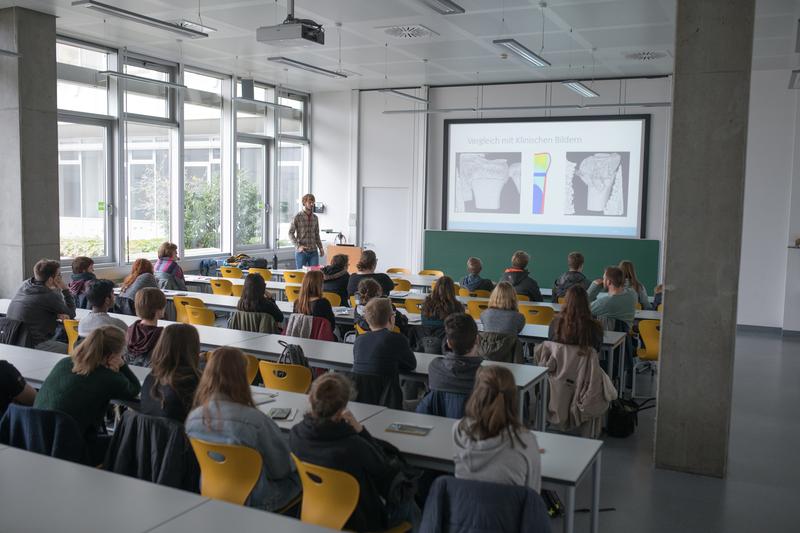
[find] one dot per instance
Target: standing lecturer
(304, 234)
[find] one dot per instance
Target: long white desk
(565, 462)
(298, 403)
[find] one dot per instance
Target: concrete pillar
(713, 48)
(29, 148)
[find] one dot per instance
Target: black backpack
(623, 416)
(292, 355)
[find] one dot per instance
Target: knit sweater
(94, 320)
(502, 321)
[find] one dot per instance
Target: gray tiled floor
(762, 490)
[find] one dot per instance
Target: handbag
(292, 354)
(623, 416)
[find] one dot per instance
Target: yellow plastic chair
(291, 378)
(537, 314)
(181, 302)
(650, 332)
(523, 298)
(464, 292)
(562, 300)
(263, 272)
(352, 301)
(638, 306)
(228, 471)
(333, 298)
(292, 292)
(292, 276)
(475, 307)
(236, 290)
(252, 367)
(414, 305)
(71, 327)
(222, 287)
(402, 284)
(431, 272)
(660, 308)
(360, 330)
(200, 316)
(231, 272)
(398, 270)
(480, 293)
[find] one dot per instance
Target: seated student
(330, 436)
(517, 276)
(632, 283)
(336, 277)
(224, 412)
(453, 374)
(310, 300)
(142, 336)
(491, 444)
(575, 324)
(367, 290)
(13, 388)
(473, 281)
(167, 267)
(40, 302)
(168, 390)
(440, 304)
(82, 277)
(502, 315)
(620, 304)
(573, 276)
(141, 276)
(381, 352)
(658, 295)
(256, 299)
(101, 298)
(366, 269)
(82, 385)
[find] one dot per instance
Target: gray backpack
(292, 355)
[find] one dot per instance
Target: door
(386, 225)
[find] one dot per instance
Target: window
(79, 88)
(144, 98)
(251, 194)
(254, 118)
(292, 121)
(202, 165)
(291, 186)
(82, 187)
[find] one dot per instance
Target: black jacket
(336, 280)
(453, 373)
(467, 506)
(154, 449)
(38, 307)
(523, 283)
(567, 280)
(173, 404)
(43, 431)
(386, 283)
(382, 353)
(337, 445)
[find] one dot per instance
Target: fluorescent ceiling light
(122, 75)
(445, 7)
(522, 52)
(794, 80)
(188, 24)
(526, 108)
(580, 88)
(404, 95)
(306, 66)
(138, 17)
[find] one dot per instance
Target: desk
(28, 360)
(295, 400)
(565, 462)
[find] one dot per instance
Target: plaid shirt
(304, 231)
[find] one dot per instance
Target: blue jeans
(302, 259)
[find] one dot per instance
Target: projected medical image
(488, 182)
(541, 164)
(596, 183)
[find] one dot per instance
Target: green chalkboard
(449, 250)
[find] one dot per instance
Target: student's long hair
(368, 289)
(139, 267)
(174, 362)
(253, 293)
(442, 300)
(492, 406)
(576, 324)
(96, 349)
(310, 290)
(225, 376)
(629, 272)
(504, 297)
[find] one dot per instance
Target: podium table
(352, 252)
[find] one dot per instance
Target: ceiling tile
(437, 50)
(517, 21)
(612, 14)
(635, 36)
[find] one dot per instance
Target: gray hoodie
(498, 460)
(38, 307)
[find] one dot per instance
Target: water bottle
(274, 261)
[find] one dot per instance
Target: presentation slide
(552, 176)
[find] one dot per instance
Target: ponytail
(96, 348)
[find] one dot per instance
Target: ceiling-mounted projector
(292, 32)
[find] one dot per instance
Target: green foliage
(150, 193)
(74, 247)
(250, 210)
(201, 212)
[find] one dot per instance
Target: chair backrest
(292, 292)
(474, 308)
(523, 298)
(236, 290)
(562, 300)
(650, 331)
(537, 314)
(229, 471)
(402, 284)
(660, 308)
(333, 298)
(359, 329)
(230, 272)
(200, 316)
(638, 306)
(431, 272)
(352, 301)
(414, 305)
(329, 496)
(293, 276)
(71, 327)
(463, 291)
(398, 270)
(292, 378)
(263, 272)
(181, 302)
(221, 286)
(481, 293)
